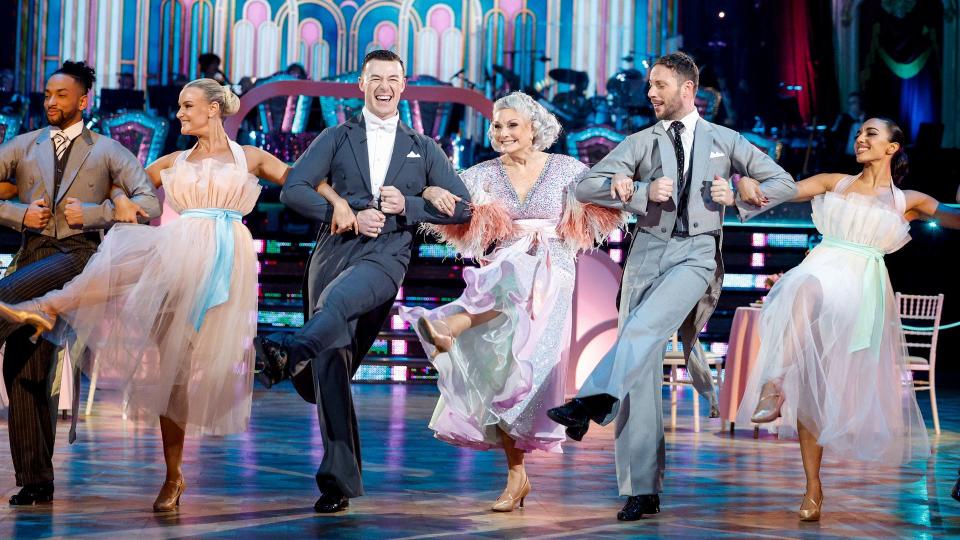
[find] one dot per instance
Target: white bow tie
(388, 126)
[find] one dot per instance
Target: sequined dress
(508, 372)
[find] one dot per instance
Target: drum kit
(625, 106)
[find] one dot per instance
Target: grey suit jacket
(94, 165)
(649, 154)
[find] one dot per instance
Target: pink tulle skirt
(134, 307)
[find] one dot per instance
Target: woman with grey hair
(498, 348)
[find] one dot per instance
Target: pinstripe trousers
(44, 264)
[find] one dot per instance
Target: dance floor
(260, 484)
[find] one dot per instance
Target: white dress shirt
(71, 132)
(380, 138)
(686, 138)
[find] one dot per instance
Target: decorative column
(656, 25)
(846, 36)
(293, 33)
(951, 74)
(109, 43)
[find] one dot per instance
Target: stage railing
(259, 94)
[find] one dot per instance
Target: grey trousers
(662, 283)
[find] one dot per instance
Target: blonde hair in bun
(214, 92)
(231, 103)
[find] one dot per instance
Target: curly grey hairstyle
(546, 128)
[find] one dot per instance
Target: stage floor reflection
(261, 483)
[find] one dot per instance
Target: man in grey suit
(381, 167)
(673, 176)
(66, 173)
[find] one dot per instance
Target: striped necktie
(61, 142)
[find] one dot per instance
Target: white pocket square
(413, 154)
(716, 154)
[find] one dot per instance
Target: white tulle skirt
(857, 403)
(134, 306)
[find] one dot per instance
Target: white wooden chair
(674, 359)
(921, 311)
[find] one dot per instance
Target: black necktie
(677, 128)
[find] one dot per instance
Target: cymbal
(509, 75)
(579, 79)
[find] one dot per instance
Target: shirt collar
(689, 122)
(374, 122)
(71, 132)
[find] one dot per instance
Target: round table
(742, 349)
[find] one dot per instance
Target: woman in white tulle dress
(831, 359)
(173, 309)
(499, 347)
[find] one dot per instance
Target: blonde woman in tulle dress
(173, 309)
(831, 359)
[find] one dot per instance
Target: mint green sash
(868, 329)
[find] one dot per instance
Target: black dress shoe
(272, 360)
(638, 505)
(955, 492)
(33, 494)
(575, 415)
(714, 410)
(331, 501)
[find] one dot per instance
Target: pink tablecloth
(742, 350)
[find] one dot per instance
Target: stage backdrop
(157, 41)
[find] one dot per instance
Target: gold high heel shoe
(768, 408)
(810, 514)
(169, 498)
(442, 343)
(33, 316)
(507, 502)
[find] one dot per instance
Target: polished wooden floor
(260, 484)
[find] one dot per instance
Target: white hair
(546, 128)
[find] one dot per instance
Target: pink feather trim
(583, 226)
(489, 223)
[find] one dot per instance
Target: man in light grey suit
(65, 174)
(673, 176)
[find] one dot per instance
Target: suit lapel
(357, 136)
(702, 143)
(668, 158)
(402, 143)
(46, 157)
(78, 154)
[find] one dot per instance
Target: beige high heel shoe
(28, 313)
(506, 502)
(168, 499)
(442, 343)
(768, 408)
(810, 514)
